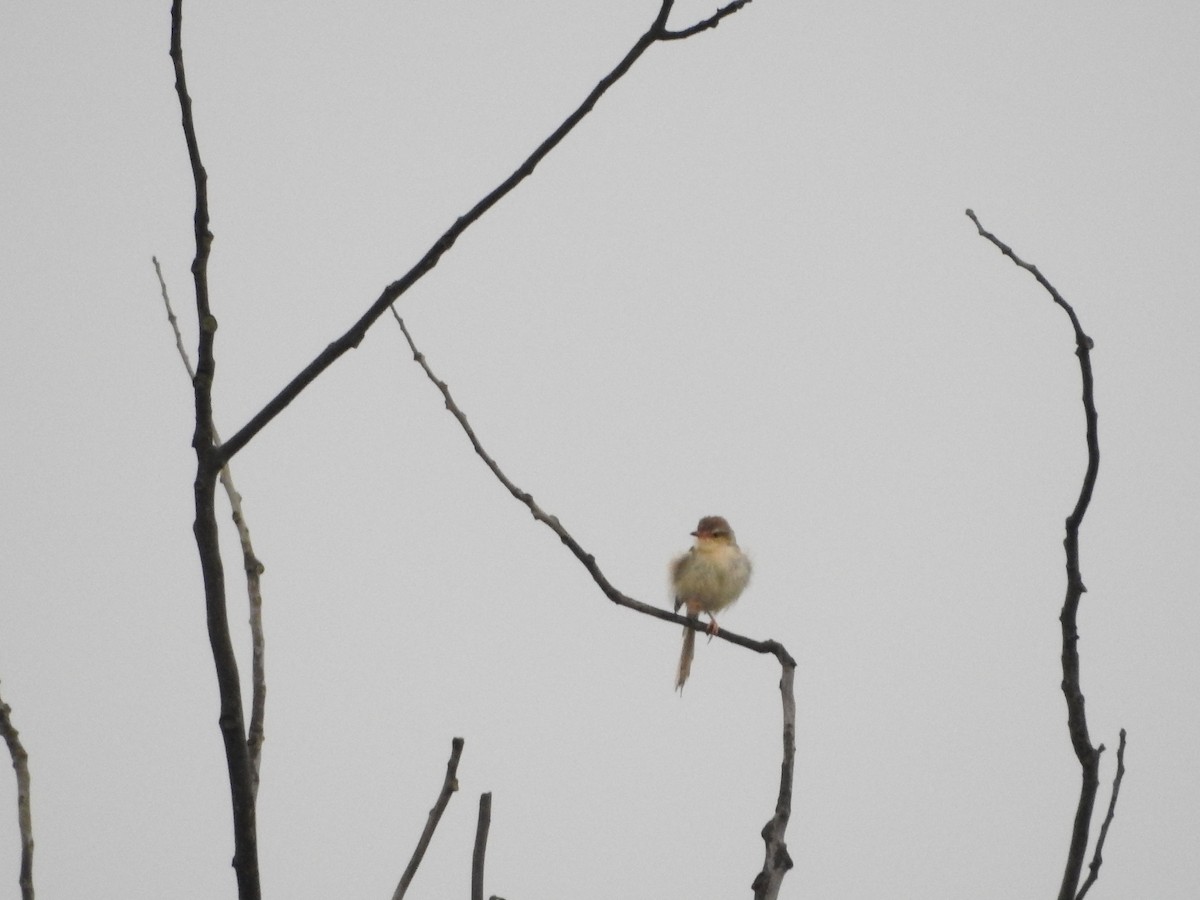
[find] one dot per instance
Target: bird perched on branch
(707, 578)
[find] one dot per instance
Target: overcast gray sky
(744, 286)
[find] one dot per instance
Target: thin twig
(481, 836)
(767, 882)
(353, 337)
(1085, 752)
(20, 763)
(449, 786)
(209, 463)
(254, 569)
(711, 22)
(251, 564)
(172, 320)
(1097, 856)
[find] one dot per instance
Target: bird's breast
(712, 578)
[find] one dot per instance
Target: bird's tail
(685, 658)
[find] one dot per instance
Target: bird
(707, 579)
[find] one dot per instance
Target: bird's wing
(677, 566)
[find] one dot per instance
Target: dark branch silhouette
(1097, 856)
(20, 763)
(251, 564)
(778, 862)
(481, 835)
(353, 337)
(711, 22)
(449, 786)
(1088, 755)
(209, 463)
(766, 884)
(241, 749)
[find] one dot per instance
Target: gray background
(745, 286)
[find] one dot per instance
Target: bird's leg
(713, 628)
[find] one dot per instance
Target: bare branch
(778, 861)
(1097, 857)
(767, 882)
(481, 836)
(20, 763)
(172, 320)
(209, 462)
(251, 564)
(711, 22)
(241, 751)
(449, 786)
(552, 522)
(1088, 755)
(353, 337)
(254, 569)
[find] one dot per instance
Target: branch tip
(449, 786)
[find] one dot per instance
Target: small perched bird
(707, 578)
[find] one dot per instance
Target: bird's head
(714, 528)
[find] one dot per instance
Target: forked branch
(251, 565)
(1087, 754)
(209, 463)
(1098, 854)
(212, 456)
(658, 31)
(712, 21)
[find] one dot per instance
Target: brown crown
(713, 526)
